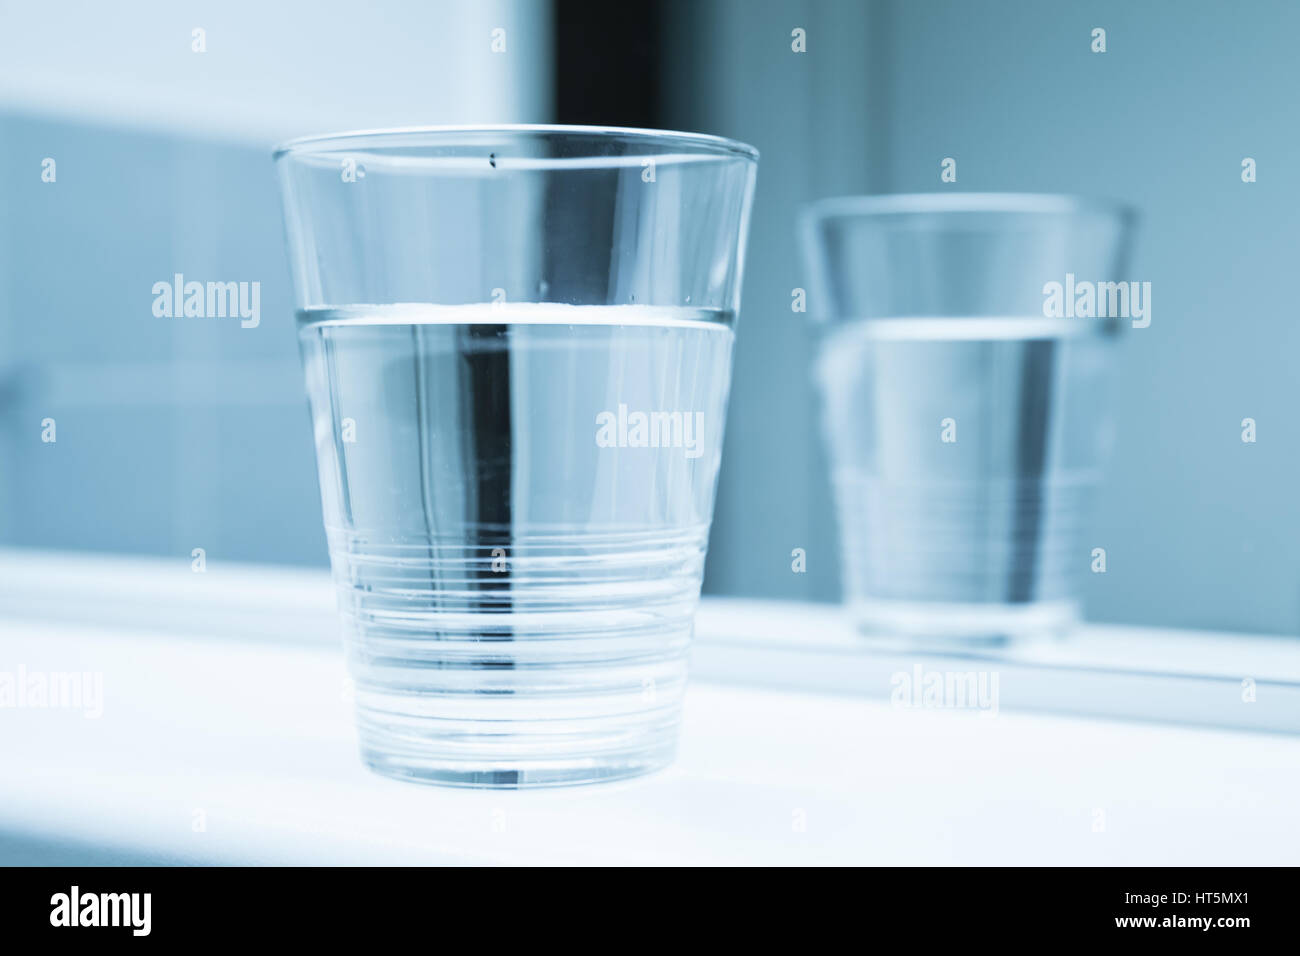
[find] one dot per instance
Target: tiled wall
(172, 433)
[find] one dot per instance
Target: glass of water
(517, 345)
(963, 367)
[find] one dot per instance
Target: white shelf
(1237, 681)
(253, 731)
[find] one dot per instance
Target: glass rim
(316, 144)
(940, 203)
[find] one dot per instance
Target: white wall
(274, 70)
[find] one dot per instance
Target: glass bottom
(569, 669)
(603, 738)
(520, 773)
(964, 625)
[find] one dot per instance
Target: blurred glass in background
(966, 402)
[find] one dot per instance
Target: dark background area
(608, 63)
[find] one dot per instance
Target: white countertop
(212, 748)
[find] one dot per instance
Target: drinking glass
(965, 406)
(517, 346)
